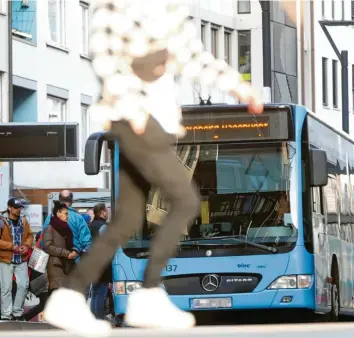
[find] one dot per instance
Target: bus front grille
(211, 284)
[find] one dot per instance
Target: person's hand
(23, 250)
(15, 248)
(139, 124)
(159, 70)
(248, 95)
(72, 255)
(107, 125)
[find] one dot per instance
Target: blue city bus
(276, 223)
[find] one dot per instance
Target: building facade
(53, 80)
(321, 71)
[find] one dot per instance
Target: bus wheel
(333, 315)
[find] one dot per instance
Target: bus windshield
(245, 190)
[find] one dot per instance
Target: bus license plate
(212, 303)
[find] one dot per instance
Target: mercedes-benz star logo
(210, 283)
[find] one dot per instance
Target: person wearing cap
(16, 238)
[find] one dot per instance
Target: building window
(214, 41)
(85, 126)
(191, 157)
(333, 9)
(203, 33)
(325, 81)
(335, 82)
(84, 28)
(3, 8)
(343, 9)
(227, 46)
(243, 6)
(244, 54)
(57, 21)
(56, 109)
(323, 6)
(24, 19)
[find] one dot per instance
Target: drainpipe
(10, 96)
(267, 50)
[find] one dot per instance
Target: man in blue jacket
(81, 233)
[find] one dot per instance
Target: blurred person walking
(138, 47)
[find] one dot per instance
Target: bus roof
(228, 107)
(339, 132)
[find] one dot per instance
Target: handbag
(39, 285)
(39, 258)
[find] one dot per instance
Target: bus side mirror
(93, 149)
(318, 165)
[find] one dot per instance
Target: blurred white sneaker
(67, 310)
(151, 308)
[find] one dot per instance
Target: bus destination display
(38, 142)
(218, 127)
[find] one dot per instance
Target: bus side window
(317, 201)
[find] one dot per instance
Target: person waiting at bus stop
(16, 238)
(137, 48)
(100, 289)
(82, 236)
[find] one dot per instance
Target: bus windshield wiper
(240, 241)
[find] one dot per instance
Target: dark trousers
(145, 160)
(99, 294)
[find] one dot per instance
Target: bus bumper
(267, 299)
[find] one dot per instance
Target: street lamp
(343, 57)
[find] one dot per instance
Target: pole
(10, 96)
(9, 36)
(345, 91)
(267, 45)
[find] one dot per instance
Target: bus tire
(333, 315)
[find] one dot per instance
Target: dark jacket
(95, 227)
(58, 265)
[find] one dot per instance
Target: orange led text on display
(228, 126)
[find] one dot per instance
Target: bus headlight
(291, 282)
(126, 287)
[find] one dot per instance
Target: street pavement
(255, 331)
